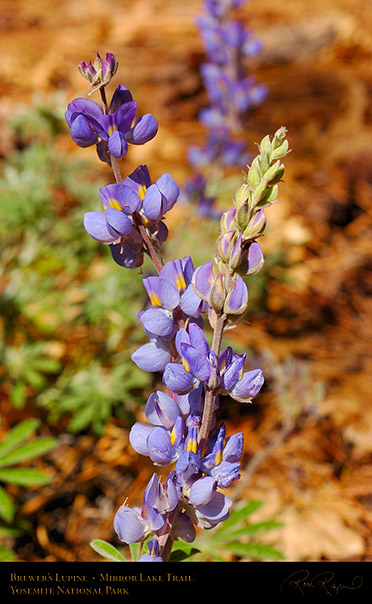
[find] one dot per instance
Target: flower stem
(165, 538)
(211, 394)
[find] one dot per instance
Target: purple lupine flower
(242, 386)
(222, 459)
(90, 126)
(171, 291)
(154, 199)
(205, 282)
(161, 441)
(196, 359)
(135, 524)
(231, 93)
(154, 549)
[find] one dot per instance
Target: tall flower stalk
(231, 94)
(182, 429)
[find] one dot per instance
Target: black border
(127, 582)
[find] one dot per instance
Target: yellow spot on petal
(218, 458)
(141, 191)
(186, 365)
(154, 299)
(180, 281)
(173, 436)
(114, 204)
(112, 129)
(192, 446)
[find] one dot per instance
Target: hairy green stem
(211, 393)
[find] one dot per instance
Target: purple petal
(121, 95)
(161, 450)
(213, 512)
(191, 304)
(120, 196)
(95, 224)
(152, 357)
(181, 336)
(255, 259)
(162, 292)
(138, 436)
(196, 362)
(202, 280)
(125, 116)
(155, 494)
(144, 129)
(173, 271)
(82, 132)
(234, 447)
(234, 371)
(198, 339)
(237, 298)
(226, 473)
(169, 188)
(250, 384)
(117, 145)
(177, 379)
(85, 107)
(157, 322)
(126, 256)
(139, 179)
(128, 525)
(202, 490)
(184, 529)
(118, 221)
(161, 410)
(154, 203)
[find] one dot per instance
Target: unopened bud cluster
(238, 254)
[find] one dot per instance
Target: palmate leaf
(7, 508)
(107, 550)
(29, 451)
(24, 477)
(17, 435)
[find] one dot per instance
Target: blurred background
(68, 316)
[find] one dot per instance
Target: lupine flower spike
(182, 426)
(231, 94)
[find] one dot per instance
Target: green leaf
(82, 418)
(18, 395)
(135, 550)
(6, 506)
(254, 529)
(6, 553)
(107, 550)
(24, 477)
(17, 435)
(238, 515)
(257, 551)
(181, 555)
(28, 451)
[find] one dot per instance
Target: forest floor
(315, 474)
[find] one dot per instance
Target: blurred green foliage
(68, 314)
(17, 446)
